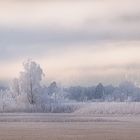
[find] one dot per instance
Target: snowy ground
(91, 121)
(38, 126)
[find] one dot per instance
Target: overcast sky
(77, 42)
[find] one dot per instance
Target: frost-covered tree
(30, 80)
(15, 88)
(55, 92)
(99, 91)
(52, 89)
(7, 102)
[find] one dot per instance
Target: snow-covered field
(35, 126)
(91, 121)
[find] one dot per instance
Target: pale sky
(76, 42)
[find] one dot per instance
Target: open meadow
(38, 126)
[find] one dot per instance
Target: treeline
(126, 91)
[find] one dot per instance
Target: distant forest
(125, 92)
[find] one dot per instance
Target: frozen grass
(109, 108)
(132, 108)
